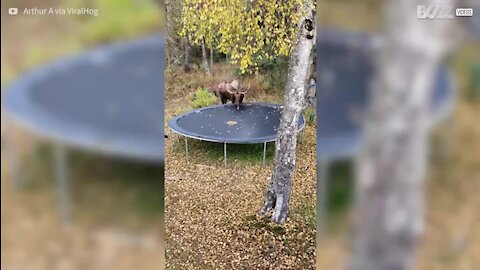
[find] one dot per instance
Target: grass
(236, 153)
(341, 188)
(308, 213)
(117, 214)
(103, 190)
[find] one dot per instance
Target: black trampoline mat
(121, 92)
(247, 123)
(110, 98)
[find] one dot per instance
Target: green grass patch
(309, 116)
(307, 213)
(247, 153)
(129, 187)
(202, 97)
(103, 190)
(340, 194)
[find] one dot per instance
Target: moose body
(230, 91)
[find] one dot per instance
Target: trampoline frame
(63, 135)
(84, 139)
(225, 142)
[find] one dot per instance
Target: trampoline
(344, 73)
(248, 123)
(107, 100)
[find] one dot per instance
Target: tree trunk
(173, 42)
(206, 67)
(211, 57)
(186, 55)
(392, 163)
(279, 190)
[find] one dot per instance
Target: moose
(230, 91)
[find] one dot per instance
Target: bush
(202, 97)
(275, 73)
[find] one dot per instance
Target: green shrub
(275, 73)
(202, 97)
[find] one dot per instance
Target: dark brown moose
(230, 91)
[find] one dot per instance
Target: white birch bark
(279, 190)
(392, 163)
(205, 64)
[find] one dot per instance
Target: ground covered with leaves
(211, 212)
(116, 215)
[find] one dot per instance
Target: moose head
(230, 91)
(237, 93)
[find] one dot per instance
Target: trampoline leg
(264, 152)
(225, 154)
(322, 194)
(12, 155)
(186, 148)
(61, 177)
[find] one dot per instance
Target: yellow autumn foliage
(249, 32)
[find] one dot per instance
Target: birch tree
(247, 32)
(205, 64)
(391, 167)
(278, 194)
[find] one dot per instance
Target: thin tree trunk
(186, 58)
(206, 67)
(392, 163)
(173, 42)
(170, 34)
(186, 55)
(211, 57)
(279, 190)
